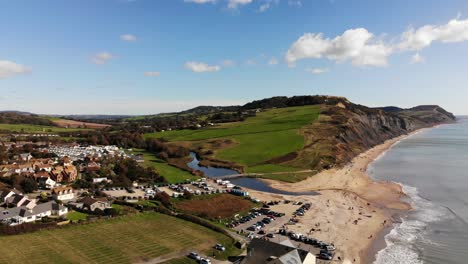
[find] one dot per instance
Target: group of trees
(122, 172)
(19, 118)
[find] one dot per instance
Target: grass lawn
(75, 216)
(181, 261)
(288, 177)
(270, 134)
(123, 240)
(20, 128)
(171, 173)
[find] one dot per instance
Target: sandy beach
(352, 211)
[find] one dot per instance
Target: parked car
(220, 247)
(270, 235)
(205, 261)
(194, 255)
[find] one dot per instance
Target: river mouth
(247, 182)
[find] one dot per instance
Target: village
(54, 192)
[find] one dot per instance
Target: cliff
(344, 130)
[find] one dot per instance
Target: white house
(63, 193)
(23, 214)
(99, 180)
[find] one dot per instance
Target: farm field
(215, 206)
(270, 134)
(76, 124)
(171, 173)
(26, 128)
(123, 240)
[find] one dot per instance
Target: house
(92, 204)
(264, 251)
(43, 167)
(99, 180)
(14, 198)
(25, 157)
(23, 214)
(67, 173)
(63, 193)
(46, 182)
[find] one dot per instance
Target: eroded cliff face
(345, 130)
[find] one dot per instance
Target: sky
(153, 56)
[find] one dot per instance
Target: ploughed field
(271, 134)
(27, 128)
(121, 240)
(215, 206)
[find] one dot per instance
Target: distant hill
(15, 117)
(342, 131)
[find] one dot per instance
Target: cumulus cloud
(200, 67)
(273, 61)
(233, 4)
(317, 70)
(102, 58)
(362, 48)
(297, 3)
(358, 45)
(417, 58)
(200, 1)
(9, 68)
(228, 63)
(152, 74)
(128, 38)
(416, 39)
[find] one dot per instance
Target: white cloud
(251, 62)
(128, 38)
(273, 61)
(358, 45)
(264, 7)
(200, 1)
(200, 67)
(297, 3)
(228, 63)
(317, 70)
(416, 39)
(417, 58)
(152, 74)
(9, 68)
(102, 58)
(233, 4)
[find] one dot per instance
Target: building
(63, 193)
(14, 198)
(23, 214)
(264, 251)
(92, 204)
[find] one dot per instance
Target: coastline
(351, 187)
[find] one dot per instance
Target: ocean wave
(401, 246)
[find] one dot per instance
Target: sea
(432, 168)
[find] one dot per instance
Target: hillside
(301, 133)
(13, 117)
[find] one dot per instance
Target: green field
(170, 173)
(25, 128)
(75, 216)
(270, 134)
(123, 240)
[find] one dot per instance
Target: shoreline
(353, 186)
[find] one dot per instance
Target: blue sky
(151, 56)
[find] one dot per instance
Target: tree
(28, 185)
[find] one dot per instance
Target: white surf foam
(401, 240)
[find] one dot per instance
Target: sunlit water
(432, 167)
